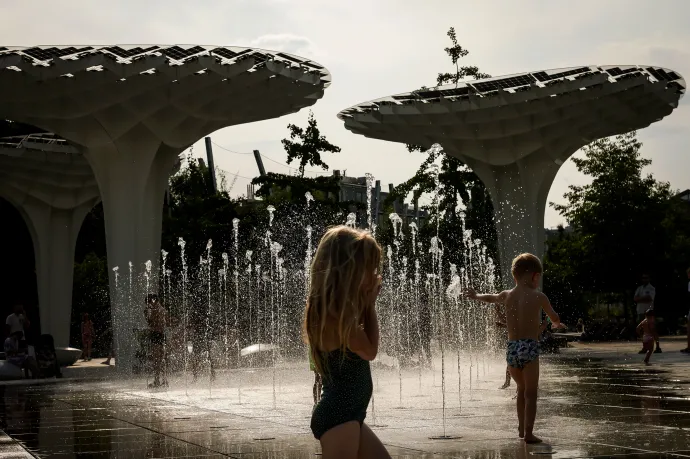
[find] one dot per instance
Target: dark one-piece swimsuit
(347, 389)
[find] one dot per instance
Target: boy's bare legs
(530, 374)
(516, 373)
(506, 384)
(649, 354)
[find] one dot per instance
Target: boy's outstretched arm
(548, 309)
(486, 298)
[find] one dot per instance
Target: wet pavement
(594, 402)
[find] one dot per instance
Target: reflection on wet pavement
(586, 409)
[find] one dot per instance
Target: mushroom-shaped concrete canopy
(130, 110)
(53, 187)
(516, 131)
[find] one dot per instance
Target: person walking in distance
(18, 322)
(156, 318)
(644, 298)
(687, 326)
(647, 328)
(87, 336)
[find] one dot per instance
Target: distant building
(355, 189)
(684, 196)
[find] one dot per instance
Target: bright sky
(382, 47)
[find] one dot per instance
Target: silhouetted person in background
(644, 298)
(88, 334)
(156, 318)
(18, 357)
(647, 328)
(687, 326)
(18, 322)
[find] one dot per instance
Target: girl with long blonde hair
(342, 330)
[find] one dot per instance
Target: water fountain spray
(185, 313)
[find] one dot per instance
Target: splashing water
(257, 314)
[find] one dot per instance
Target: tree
(618, 220)
(457, 181)
(309, 147)
(455, 52)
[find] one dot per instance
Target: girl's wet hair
(342, 274)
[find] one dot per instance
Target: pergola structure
(129, 111)
(516, 131)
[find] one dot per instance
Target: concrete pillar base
(519, 193)
(132, 178)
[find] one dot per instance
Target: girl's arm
(364, 339)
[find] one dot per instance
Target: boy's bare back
(523, 312)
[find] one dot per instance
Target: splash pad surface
(588, 408)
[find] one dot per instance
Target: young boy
(649, 336)
(523, 305)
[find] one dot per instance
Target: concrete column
(132, 174)
(54, 233)
(519, 193)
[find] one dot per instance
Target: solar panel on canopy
(617, 71)
(677, 86)
(288, 57)
(663, 75)
(224, 52)
(406, 96)
(179, 54)
(313, 65)
(450, 92)
(544, 77)
(127, 53)
(504, 83)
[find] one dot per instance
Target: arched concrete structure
(53, 188)
(131, 110)
(516, 131)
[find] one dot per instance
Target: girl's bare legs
(370, 447)
(341, 442)
(350, 441)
